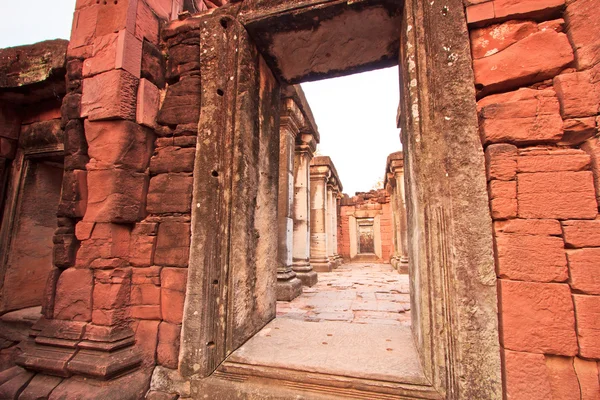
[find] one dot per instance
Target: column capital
(306, 143)
(319, 172)
(291, 119)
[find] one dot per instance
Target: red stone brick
(74, 295)
(578, 130)
(587, 312)
(114, 17)
(146, 294)
(557, 25)
(501, 161)
(526, 8)
(526, 376)
(592, 147)
(168, 345)
(535, 58)
(480, 12)
(145, 312)
(146, 23)
(170, 193)
(143, 276)
(173, 244)
(146, 339)
(142, 249)
(503, 208)
(182, 103)
(492, 39)
(537, 317)
(582, 233)
(162, 8)
(174, 278)
(117, 195)
(121, 50)
(533, 258)
(584, 31)
(172, 159)
(544, 227)
(171, 305)
(563, 380)
(560, 195)
(587, 373)
(147, 106)
(578, 93)
(107, 241)
(523, 116)
(110, 95)
(584, 265)
(112, 288)
(121, 144)
(83, 28)
(550, 159)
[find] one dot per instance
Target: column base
(288, 289)
(322, 265)
(403, 265)
(304, 271)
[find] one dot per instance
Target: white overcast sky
(356, 114)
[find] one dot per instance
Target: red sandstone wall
(537, 75)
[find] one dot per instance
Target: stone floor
(362, 293)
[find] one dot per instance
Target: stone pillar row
(395, 186)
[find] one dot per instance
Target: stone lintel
(325, 161)
(296, 93)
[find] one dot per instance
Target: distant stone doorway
(366, 236)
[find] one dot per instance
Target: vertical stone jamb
(330, 225)
(303, 154)
(319, 175)
(288, 285)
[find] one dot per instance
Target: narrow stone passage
(362, 293)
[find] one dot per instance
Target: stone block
(142, 247)
(578, 93)
(499, 10)
(112, 289)
(118, 144)
(584, 32)
(145, 294)
(119, 50)
(183, 59)
(481, 12)
(75, 142)
(524, 116)
(587, 374)
(170, 193)
(559, 195)
(74, 194)
(182, 103)
(172, 159)
(592, 147)
(171, 305)
(147, 105)
(145, 276)
(501, 161)
(526, 376)
(14, 386)
(71, 106)
(563, 380)
(146, 338)
(492, 39)
(110, 95)
(578, 130)
(537, 317)
(10, 123)
(168, 345)
(162, 8)
(174, 278)
(145, 312)
(64, 250)
(116, 195)
(74, 295)
(83, 28)
(173, 244)
(40, 387)
(550, 159)
(584, 267)
(540, 227)
(153, 64)
(107, 241)
(115, 17)
(533, 258)
(503, 199)
(581, 233)
(539, 56)
(587, 312)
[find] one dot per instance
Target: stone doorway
(443, 192)
(366, 236)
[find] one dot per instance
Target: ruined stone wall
(537, 75)
(375, 203)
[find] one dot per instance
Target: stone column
(305, 148)
(319, 175)
(395, 181)
(330, 224)
(288, 285)
(336, 210)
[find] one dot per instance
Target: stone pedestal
(288, 285)
(305, 147)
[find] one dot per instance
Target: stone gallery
(162, 202)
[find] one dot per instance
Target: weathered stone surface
(537, 317)
(172, 159)
(110, 95)
(548, 159)
(182, 103)
(111, 296)
(578, 130)
(75, 142)
(167, 352)
(584, 32)
(582, 233)
(74, 295)
(492, 39)
(526, 376)
(118, 144)
(170, 193)
(587, 374)
(173, 287)
(172, 246)
(13, 387)
(74, 194)
(578, 93)
(106, 241)
(592, 147)
(563, 380)
(541, 227)
(129, 386)
(141, 249)
(533, 258)
(118, 195)
(560, 195)
(483, 12)
(587, 313)
(41, 134)
(119, 50)
(522, 116)
(503, 199)
(26, 65)
(10, 122)
(153, 64)
(147, 105)
(584, 266)
(40, 387)
(539, 56)
(146, 337)
(146, 23)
